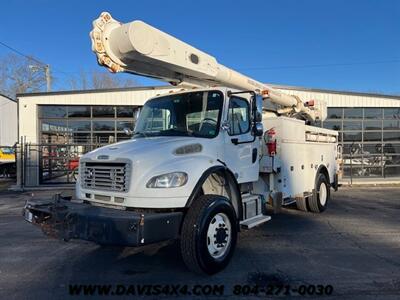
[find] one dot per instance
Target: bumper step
(255, 221)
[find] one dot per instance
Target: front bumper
(65, 219)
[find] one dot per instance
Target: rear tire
(301, 203)
(209, 234)
(319, 201)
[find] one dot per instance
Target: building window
(67, 132)
(392, 113)
(52, 111)
(370, 140)
(335, 113)
(79, 124)
(352, 125)
(352, 113)
(372, 125)
(103, 111)
(79, 112)
(333, 125)
(373, 113)
(121, 125)
(125, 111)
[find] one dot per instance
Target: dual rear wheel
(317, 202)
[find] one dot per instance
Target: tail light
(270, 141)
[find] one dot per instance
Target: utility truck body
(203, 162)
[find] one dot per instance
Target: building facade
(369, 131)
(8, 121)
(58, 127)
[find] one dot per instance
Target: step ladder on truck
(204, 161)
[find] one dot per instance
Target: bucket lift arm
(139, 48)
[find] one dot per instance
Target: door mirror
(136, 114)
(258, 129)
(128, 131)
(259, 108)
(225, 126)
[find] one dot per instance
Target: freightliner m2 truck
(208, 159)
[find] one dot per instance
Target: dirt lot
(354, 246)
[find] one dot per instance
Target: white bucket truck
(203, 162)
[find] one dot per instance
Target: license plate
(28, 216)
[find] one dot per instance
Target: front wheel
(209, 234)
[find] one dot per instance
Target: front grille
(105, 176)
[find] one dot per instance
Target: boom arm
(139, 48)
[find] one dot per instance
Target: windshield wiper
(174, 131)
(139, 134)
(168, 132)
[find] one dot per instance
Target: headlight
(169, 180)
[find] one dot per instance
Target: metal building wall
(8, 121)
(369, 132)
(28, 104)
(343, 99)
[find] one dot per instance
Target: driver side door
(241, 147)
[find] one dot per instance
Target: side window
(238, 116)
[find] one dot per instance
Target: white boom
(139, 48)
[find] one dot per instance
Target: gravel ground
(354, 246)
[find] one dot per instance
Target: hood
(137, 146)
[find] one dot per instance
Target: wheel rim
(219, 235)
(323, 193)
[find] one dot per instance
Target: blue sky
(343, 45)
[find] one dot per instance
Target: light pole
(48, 77)
(47, 73)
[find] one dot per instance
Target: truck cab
(178, 139)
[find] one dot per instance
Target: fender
(322, 169)
(215, 169)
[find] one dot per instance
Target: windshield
(190, 114)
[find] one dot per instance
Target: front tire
(209, 234)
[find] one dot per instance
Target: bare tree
(21, 75)
(99, 80)
(78, 82)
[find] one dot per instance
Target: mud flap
(276, 199)
(335, 184)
